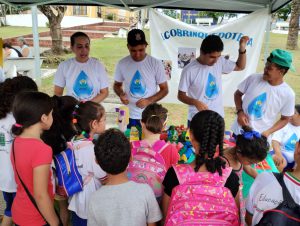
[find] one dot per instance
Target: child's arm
(41, 195)
(277, 157)
(151, 224)
(165, 205)
(248, 218)
(250, 171)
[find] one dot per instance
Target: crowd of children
(125, 183)
(142, 182)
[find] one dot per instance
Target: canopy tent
(237, 6)
(245, 6)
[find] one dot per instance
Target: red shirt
(29, 153)
(170, 155)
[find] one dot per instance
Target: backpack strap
(183, 171)
(287, 198)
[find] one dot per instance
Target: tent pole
(267, 38)
(37, 60)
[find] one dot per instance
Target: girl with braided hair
(206, 134)
(89, 120)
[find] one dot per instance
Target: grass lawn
(12, 31)
(109, 51)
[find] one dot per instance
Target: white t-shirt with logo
(266, 193)
(204, 83)
(263, 102)
(7, 179)
(91, 173)
(141, 80)
(288, 136)
(82, 80)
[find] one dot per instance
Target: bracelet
(239, 110)
(240, 52)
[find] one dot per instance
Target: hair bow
(250, 134)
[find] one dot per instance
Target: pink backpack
(147, 165)
(201, 199)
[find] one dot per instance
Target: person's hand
(243, 43)
(242, 119)
(278, 159)
(124, 99)
(200, 106)
(142, 103)
(266, 133)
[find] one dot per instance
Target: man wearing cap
(200, 83)
(260, 98)
(142, 75)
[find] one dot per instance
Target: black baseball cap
(136, 37)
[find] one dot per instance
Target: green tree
(55, 15)
(284, 12)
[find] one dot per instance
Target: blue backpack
(67, 173)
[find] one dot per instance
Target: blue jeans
(77, 220)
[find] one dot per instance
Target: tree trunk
(292, 40)
(55, 15)
(56, 36)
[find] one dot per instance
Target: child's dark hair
(76, 35)
(112, 151)
(84, 113)
(62, 129)
(154, 117)
(212, 43)
(28, 108)
(297, 108)
(255, 148)
(10, 88)
(207, 128)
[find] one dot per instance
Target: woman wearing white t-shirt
(266, 192)
(85, 78)
(284, 141)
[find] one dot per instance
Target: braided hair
(207, 128)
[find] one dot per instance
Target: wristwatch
(242, 52)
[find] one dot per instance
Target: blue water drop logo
(256, 108)
(83, 87)
(291, 143)
(137, 86)
(211, 90)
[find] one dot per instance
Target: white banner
(177, 43)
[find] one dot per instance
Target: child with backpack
(204, 190)
(120, 201)
(31, 159)
(61, 132)
(152, 157)
(251, 147)
(274, 199)
(89, 120)
(8, 90)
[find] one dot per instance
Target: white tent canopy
(245, 6)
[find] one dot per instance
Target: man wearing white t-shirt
(84, 77)
(260, 98)
(141, 75)
(266, 192)
(201, 80)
